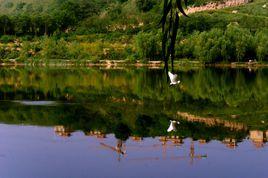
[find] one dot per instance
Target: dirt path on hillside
(216, 5)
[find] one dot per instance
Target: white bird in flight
(172, 126)
(173, 79)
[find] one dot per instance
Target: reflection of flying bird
(119, 148)
(173, 79)
(172, 126)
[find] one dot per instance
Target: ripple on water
(37, 103)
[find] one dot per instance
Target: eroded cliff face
(217, 5)
(212, 121)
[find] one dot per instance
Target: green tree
(145, 5)
(242, 44)
(5, 24)
(208, 46)
(148, 45)
(20, 6)
(261, 39)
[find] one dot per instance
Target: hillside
(128, 29)
(105, 16)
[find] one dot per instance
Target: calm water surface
(113, 123)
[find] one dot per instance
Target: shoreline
(125, 63)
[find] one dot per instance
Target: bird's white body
(173, 79)
(172, 126)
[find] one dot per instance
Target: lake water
(91, 122)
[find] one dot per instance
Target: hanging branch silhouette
(170, 26)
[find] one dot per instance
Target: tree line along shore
(127, 30)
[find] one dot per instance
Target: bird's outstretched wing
(170, 75)
(173, 78)
(172, 126)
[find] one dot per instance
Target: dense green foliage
(119, 29)
(148, 45)
(233, 44)
(59, 16)
(213, 46)
(145, 5)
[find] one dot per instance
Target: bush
(9, 5)
(77, 51)
(148, 45)
(54, 49)
(241, 42)
(208, 46)
(30, 50)
(145, 5)
(216, 45)
(261, 40)
(2, 52)
(6, 38)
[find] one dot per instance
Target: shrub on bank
(235, 44)
(148, 45)
(6, 38)
(77, 51)
(54, 49)
(8, 52)
(261, 40)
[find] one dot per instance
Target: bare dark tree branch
(170, 26)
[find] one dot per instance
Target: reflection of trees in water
(122, 131)
(122, 120)
(224, 92)
(228, 86)
(147, 126)
(139, 99)
(92, 118)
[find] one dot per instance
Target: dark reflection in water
(113, 123)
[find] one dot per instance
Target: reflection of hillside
(175, 140)
(217, 91)
(104, 117)
(97, 134)
(126, 100)
(62, 131)
(102, 99)
(230, 143)
(202, 141)
(258, 137)
(136, 139)
(212, 121)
